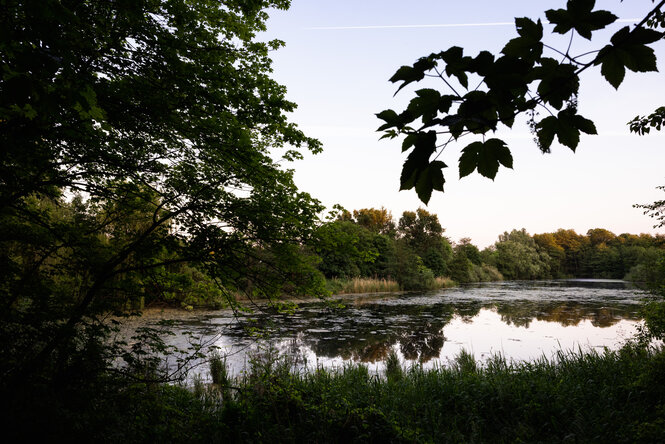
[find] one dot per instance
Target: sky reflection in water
(520, 320)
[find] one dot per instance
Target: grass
(444, 282)
(579, 397)
(362, 285)
(370, 285)
(614, 396)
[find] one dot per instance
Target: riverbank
(592, 397)
(335, 286)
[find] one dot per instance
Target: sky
(336, 64)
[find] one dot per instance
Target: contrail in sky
(441, 25)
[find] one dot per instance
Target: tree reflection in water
(414, 324)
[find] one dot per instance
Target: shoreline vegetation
(375, 285)
(609, 396)
(367, 251)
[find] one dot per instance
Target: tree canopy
(137, 136)
(488, 91)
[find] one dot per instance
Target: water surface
(520, 320)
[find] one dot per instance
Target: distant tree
(420, 229)
(376, 220)
(422, 232)
(600, 236)
(469, 250)
(574, 246)
(527, 75)
(518, 257)
(546, 242)
(409, 270)
(345, 248)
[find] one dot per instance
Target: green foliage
(420, 250)
(378, 221)
(518, 80)
(115, 193)
(219, 372)
(345, 248)
(485, 156)
(518, 257)
(613, 396)
(643, 125)
(410, 271)
(394, 370)
(579, 16)
(655, 210)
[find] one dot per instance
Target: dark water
(520, 320)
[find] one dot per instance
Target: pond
(523, 320)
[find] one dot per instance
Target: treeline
(413, 251)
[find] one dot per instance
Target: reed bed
(362, 285)
(379, 285)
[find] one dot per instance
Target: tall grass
(577, 397)
(614, 396)
(362, 285)
(376, 285)
(443, 282)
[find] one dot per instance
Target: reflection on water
(521, 320)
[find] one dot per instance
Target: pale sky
(336, 64)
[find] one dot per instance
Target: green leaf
(528, 45)
(628, 50)
(424, 144)
(482, 63)
(578, 15)
(528, 28)
(390, 117)
(468, 161)
(456, 64)
(430, 179)
(409, 141)
(638, 36)
(546, 130)
(489, 157)
(567, 134)
(639, 58)
(559, 81)
(410, 171)
(478, 112)
(585, 125)
(612, 67)
(509, 76)
(567, 126)
(409, 74)
(425, 105)
(486, 157)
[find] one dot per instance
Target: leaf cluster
(520, 79)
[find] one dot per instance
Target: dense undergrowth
(615, 396)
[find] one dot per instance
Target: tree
(345, 248)
(469, 250)
(518, 257)
(377, 221)
(423, 233)
(163, 117)
(526, 75)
